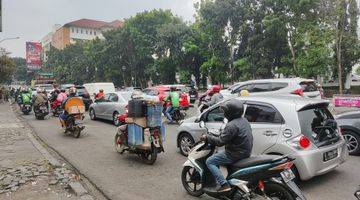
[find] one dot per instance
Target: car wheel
(186, 142)
(352, 142)
(115, 119)
(92, 114)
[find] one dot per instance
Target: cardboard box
(141, 121)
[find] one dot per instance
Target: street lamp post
(123, 74)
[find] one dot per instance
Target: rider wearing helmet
(25, 96)
(173, 100)
(63, 116)
(236, 137)
(40, 97)
(100, 96)
(216, 97)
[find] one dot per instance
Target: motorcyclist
(100, 96)
(25, 96)
(40, 98)
(63, 116)
(216, 97)
(236, 137)
(173, 102)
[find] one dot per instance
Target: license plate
(43, 108)
(192, 95)
(330, 155)
(287, 175)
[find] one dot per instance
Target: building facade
(81, 30)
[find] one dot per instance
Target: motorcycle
(26, 108)
(41, 111)
(56, 108)
(357, 193)
(153, 144)
(74, 124)
(260, 177)
(178, 115)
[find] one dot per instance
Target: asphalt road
(126, 177)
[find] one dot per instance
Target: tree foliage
(7, 68)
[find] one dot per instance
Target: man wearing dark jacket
(237, 138)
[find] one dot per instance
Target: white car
(295, 86)
(281, 125)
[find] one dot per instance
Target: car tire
(116, 122)
(186, 142)
(352, 142)
(92, 114)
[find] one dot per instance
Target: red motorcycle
(56, 108)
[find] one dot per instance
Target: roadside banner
(346, 100)
(33, 55)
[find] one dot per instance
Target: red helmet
(216, 89)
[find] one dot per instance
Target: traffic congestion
(293, 136)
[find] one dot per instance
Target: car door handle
(269, 133)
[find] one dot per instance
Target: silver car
(349, 124)
(281, 125)
(110, 107)
(291, 86)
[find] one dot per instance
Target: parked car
(281, 125)
(349, 124)
(295, 86)
(162, 91)
(114, 104)
(80, 92)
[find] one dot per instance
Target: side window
(113, 98)
(260, 87)
(262, 114)
(107, 96)
(278, 86)
(243, 87)
(215, 115)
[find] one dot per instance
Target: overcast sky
(32, 19)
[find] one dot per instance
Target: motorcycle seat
(255, 160)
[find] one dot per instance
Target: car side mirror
(225, 121)
(202, 124)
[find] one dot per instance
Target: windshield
(126, 96)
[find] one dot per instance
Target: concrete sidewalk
(24, 171)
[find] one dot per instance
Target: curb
(75, 186)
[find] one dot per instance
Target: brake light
(299, 92)
(261, 185)
(304, 142)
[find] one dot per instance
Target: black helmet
(233, 109)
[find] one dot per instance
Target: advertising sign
(347, 101)
(33, 55)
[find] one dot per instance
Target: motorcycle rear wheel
(189, 176)
(277, 191)
(77, 132)
(150, 157)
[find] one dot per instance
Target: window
(94, 32)
(86, 32)
(72, 30)
(81, 31)
(278, 86)
(243, 87)
(309, 86)
(113, 98)
(262, 114)
(260, 87)
(215, 115)
(90, 32)
(77, 30)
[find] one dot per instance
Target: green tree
(7, 68)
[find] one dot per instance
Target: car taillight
(304, 142)
(299, 92)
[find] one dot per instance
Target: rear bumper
(310, 163)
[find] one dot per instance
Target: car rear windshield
(318, 125)
(309, 86)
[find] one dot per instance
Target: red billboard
(33, 55)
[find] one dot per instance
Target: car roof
(299, 102)
(345, 114)
(277, 80)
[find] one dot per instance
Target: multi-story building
(46, 41)
(79, 30)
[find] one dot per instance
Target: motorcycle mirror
(225, 121)
(202, 124)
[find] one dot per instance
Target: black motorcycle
(41, 110)
(357, 193)
(178, 114)
(261, 177)
(26, 108)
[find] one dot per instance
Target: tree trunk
(339, 63)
